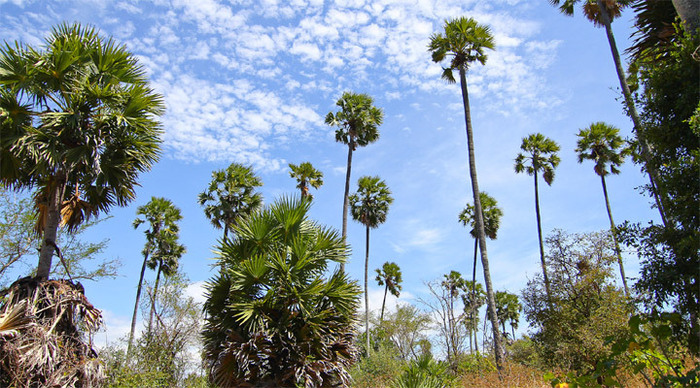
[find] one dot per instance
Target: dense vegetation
(80, 123)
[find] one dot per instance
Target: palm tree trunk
(53, 217)
(386, 288)
(366, 294)
(476, 247)
(512, 330)
(491, 301)
(632, 112)
(136, 305)
(689, 12)
(346, 200)
(539, 235)
(154, 297)
(613, 230)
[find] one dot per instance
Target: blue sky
(251, 81)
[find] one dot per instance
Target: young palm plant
(357, 121)
(602, 13)
(602, 144)
(369, 206)
(540, 156)
(272, 317)
(161, 243)
(389, 277)
(230, 196)
(306, 175)
(464, 42)
(79, 124)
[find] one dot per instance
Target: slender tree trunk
(136, 305)
(386, 288)
(613, 230)
(476, 331)
(539, 235)
(512, 330)
(154, 296)
(689, 12)
(491, 301)
(632, 112)
(366, 294)
(53, 218)
(476, 328)
(346, 200)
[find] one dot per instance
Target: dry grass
(512, 376)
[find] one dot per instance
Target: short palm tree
(602, 144)
(473, 300)
(464, 42)
(509, 308)
(230, 196)
(369, 206)
(357, 121)
(306, 175)
(272, 316)
(540, 156)
(161, 242)
(602, 13)
(79, 124)
(389, 277)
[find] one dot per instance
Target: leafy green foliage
(492, 216)
(357, 120)
(370, 205)
(389, 277)
(586, 306)
(306, 175)
(539, 155)
(271, 315)
(424, 372)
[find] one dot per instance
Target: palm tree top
(357, 120)
(602, 144)
(390, 274)
(540, 154)
(370, 204)
(464, 41)
(591, 10)
(307, 175)
(492, 216)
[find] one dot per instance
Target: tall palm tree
(273, 318)
(79, 124)
(369, 206)
(357, 121)
(602, 144)
(306, 175)
(540, 157)
(230, 196)
(472, 303)
(389, 277)
(161, 241)
(602, 13)
(509, 308)
(464, 42)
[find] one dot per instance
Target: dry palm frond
(49, 347)
(13, 320)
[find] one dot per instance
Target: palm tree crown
(492, 216)
(306, 175)
(464, 41)
(540, 156)
(602, 144)
(81, 126)
(591, 9)
(370, 204)
(230, 196)
(357, 120)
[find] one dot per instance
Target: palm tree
(472, 303)
(602, 13)
(306, 175)
(602, 144)
(389, 277)
(541, 156)
(369, 206)
(161, 241)
(79, 124)
(272, 317)
(464, 42)
(509, 308)
(357, 122)
(230, 196)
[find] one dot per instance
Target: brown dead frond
(51, 322)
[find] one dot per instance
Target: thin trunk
(53, 218)
(136, 305)
(539, 235)
(476, 339)
(476, 247)
(346, 200)
(366, 294)
(225, 231)
(689, 12)
(386, 288)
(512, 330)
(632, 112)
(154, 297)
(613, 230)
(491, 301)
